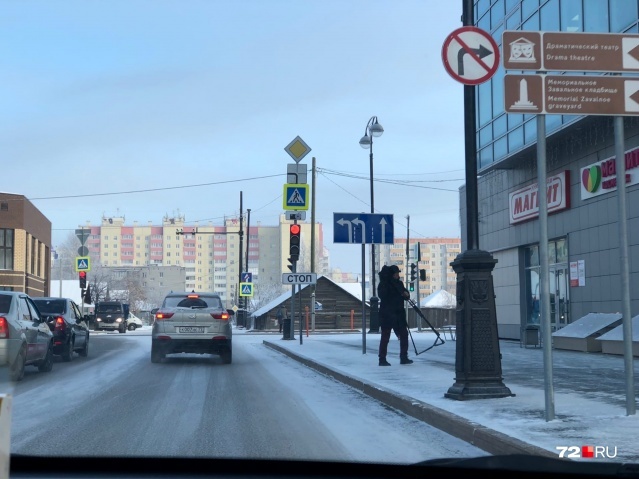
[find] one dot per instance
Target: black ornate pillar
(478, 372)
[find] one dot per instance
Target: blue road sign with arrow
(247, 277)
(363, 228)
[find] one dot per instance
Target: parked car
(70, 328)
(25, 338)
(191, 323)
(134, 322)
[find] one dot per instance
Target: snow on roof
(354, 289)
(439, 299)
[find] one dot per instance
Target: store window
(558, 282)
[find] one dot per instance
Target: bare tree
(64, 265)
(99, 280)
(265, 292)
(137, 296)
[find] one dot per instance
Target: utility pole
(313, 185)
(406, 269)
(248, 242)
(239, 276)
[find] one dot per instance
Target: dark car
(25, 339)
(69, 327)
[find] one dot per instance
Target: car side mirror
(154, 310)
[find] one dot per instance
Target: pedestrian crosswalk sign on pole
(246, 289)
(295, 196)
(82, 263)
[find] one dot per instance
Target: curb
(486, 439)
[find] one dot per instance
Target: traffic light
(413, 272)
(82, 276)
(422, 275)
(294, 239)
(411, 287)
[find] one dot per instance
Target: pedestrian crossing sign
(82, 263)
(295, 196)
(246, 289)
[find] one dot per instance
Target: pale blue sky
(106, 96)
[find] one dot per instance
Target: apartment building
(436, 256)
(210, 254)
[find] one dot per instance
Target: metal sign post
(363, 228)
(585, 95)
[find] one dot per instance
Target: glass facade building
(583, 221)
(499, 134)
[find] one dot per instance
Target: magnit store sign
(601, 177)
(524, 203)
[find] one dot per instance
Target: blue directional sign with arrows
(363, 228)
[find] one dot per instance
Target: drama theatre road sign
(564, 51)
(571, 95)
(363, 228)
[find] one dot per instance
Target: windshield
(109, 308)
(353, 230)
(192, 302)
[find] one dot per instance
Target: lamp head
(376, 129)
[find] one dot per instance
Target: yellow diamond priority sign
(297, 149)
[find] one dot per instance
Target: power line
(392, 182)
(154, 189)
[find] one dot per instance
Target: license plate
(191, 329)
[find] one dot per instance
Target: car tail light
(159, 316)
(193, 296)
(4, 327)
(222, 316)
(219, 338)
(60, 325)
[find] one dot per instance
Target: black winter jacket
(391, 308)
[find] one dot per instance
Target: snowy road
(264, 405)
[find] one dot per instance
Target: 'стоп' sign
(299, 278)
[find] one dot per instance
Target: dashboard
(519, 466)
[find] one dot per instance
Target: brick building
(25, 245)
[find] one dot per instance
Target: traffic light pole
(291, 333)
(295, 242)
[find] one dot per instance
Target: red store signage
(524, 203)
(601, 177)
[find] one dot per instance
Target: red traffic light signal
(294, 239)
(82, 276)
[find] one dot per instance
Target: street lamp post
(373, 128)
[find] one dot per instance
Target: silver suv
(25, 338)
(191, 323)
